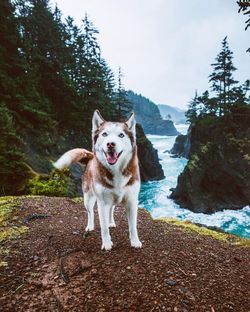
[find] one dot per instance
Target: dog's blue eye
(121, 135)
(104, 134)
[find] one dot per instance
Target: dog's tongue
(112, 158)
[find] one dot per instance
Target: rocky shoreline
(217, 175)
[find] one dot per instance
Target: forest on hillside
(52, 78)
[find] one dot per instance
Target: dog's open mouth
(112, 157)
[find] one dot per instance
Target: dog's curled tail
(75, 155)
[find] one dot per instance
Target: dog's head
(113, 142)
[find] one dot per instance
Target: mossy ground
(58, 183)
(189, 226)
(10, 226)
(77, 200)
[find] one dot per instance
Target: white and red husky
(111, 176)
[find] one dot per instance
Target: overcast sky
(165, 47)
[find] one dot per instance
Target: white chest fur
(119, 187)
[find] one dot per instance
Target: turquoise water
(154, 195)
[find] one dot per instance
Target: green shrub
(58, 183)
(193, 162)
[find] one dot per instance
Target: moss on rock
(189, 226)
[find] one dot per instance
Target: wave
(154, 195)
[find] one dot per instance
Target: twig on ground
(35, 216)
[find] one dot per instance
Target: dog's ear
(97, 120)
(131, 123)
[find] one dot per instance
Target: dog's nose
(111, 145)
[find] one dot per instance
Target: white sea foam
(154, 195)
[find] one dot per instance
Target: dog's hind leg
(104, 212)
(111, 217)
(89, 202)
(131, 210)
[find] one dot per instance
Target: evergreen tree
(222, 77)
(193, 109)
(72, 42)
(10, 65)
(241, 94)
(95, 79)
(43, 38)
(244, 6)
(208, 105)
(13, 171)
(122, 105)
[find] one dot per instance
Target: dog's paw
(112, 225)
(136, 244)
(107, 245)
(89, 228)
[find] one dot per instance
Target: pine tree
(208, 104)
(95, 79)
(241, 94)
(244, 6)
(11, 67)
(123, 107)
(13, 171)
(43, 37)
(72, 43)
(193, 109)
(222, 77)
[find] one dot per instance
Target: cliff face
(150, 167)
(148, 115)
(182, 145)
(217, 175)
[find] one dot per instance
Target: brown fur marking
(97, 132)
(102, 173)
(85, 157)
(132, 169)
(129, 133)
(98, 175)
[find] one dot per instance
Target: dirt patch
(55, 267)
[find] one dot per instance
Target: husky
(111, 176)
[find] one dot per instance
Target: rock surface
(148, 115)
(55, 267)
(217, 175)
(150, 167)
(182, 145)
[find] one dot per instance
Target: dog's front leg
(131, 210)
(89, 202)
(104, 212)
(111, 217)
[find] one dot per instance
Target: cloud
(165, 47)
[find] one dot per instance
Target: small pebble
(171, 282)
